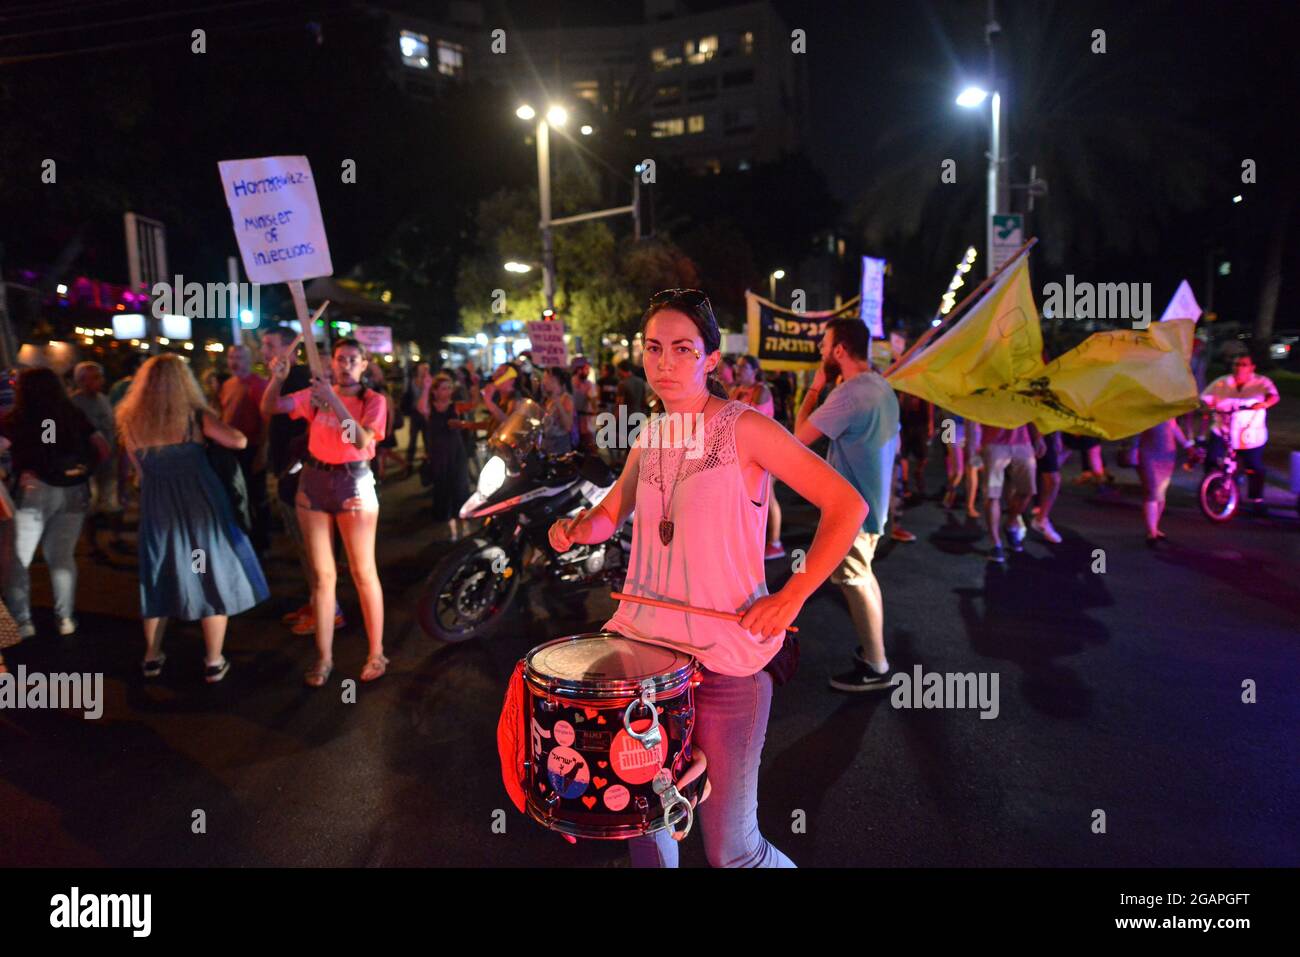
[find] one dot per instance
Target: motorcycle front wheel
(1219, 496)
(469, 592)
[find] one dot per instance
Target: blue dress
(184, 508)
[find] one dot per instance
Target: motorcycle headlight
(492, 477)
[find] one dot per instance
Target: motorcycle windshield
(519, 434)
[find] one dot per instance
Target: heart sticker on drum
(590, 712)
(599, 781)
(616, 798)
(602, 764)
(567, 771)
(632, 762)
(590, 802)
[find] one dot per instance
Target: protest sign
(546, 342)
(278, 226)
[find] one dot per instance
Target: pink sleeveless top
(715, 558)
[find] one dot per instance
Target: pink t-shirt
(325, 438)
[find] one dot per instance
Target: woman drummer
(698, 480)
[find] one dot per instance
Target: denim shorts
(326, 490)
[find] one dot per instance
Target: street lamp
(970, 98)
(777, 274)
(555, 116)
(513, 266)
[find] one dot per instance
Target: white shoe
(1045, 529)
(67, 626)
(26, 630)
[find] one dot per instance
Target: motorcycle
(521, 492)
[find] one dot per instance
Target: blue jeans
(50, 516)
(730, 726)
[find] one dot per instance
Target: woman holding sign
(346, 421)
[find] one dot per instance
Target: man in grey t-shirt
(860, 417)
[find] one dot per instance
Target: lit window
(747, 42)
(451, 58)
(415, 49)
(662, 58)
(662, 128)
(702, 50)
(695, 124)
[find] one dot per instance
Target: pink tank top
(715, 558)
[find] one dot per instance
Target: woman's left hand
(771, 615)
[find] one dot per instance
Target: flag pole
(977, 291)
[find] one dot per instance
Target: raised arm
(272, 402)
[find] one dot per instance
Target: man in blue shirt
(860, 417)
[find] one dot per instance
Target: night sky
(1142, 146)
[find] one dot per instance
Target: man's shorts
(856, 567)
(1050, 461)
(1014, 462)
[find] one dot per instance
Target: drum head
(606, 665)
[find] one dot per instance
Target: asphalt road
(1120, 692)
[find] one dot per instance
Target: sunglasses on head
(690, 297)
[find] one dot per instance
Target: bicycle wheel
(1219, 496)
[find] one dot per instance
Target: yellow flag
(988, 367)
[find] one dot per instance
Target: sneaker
(152, 668)
(998, 555)
(1016, 534)
(899, 534)
(214, 673)
(860, 655)
(774, 550)
(307, 624)
(862, 678)
(26, 630)
(67, 626)
(1045, 529)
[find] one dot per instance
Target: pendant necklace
(666, 527)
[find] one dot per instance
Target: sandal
(317, 676)
(152, 668)
(214, 673)
(375, 667)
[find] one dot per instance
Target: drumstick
(677, 606)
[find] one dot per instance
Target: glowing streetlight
(972, 97)
(585, 129)
(557, 116)
(525, 112)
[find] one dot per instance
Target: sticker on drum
(616, 797)
(631, 760)
(568, 772)
(563, 732)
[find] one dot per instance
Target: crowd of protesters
(220, 464)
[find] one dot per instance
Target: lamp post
(970, 98)
(555, 116)
(772, 278)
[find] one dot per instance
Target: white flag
(1183, 305)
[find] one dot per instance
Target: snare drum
(609, 731)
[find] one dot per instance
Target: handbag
(225, 463)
